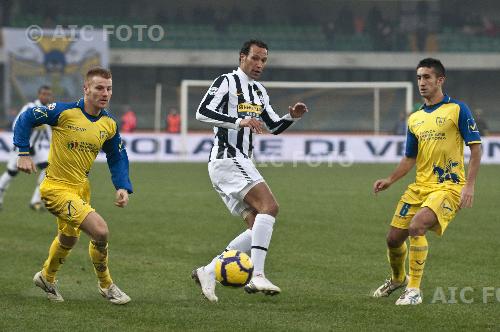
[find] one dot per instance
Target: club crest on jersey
(440, 121)
(471, 124)
(51, 107)
(213, 90)
(103, 134)
(40, 113)
(246, 109)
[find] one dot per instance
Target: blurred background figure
(481, 122)
(400, 125)
(129, 120)
(173, 121)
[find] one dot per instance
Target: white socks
(36, 194)
(261, 237)
(242, 242)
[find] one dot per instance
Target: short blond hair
(98, 71)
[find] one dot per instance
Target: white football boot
(389, 286)
(48, 287)
(259, 283)
(114, 294)
(206, 282)
(411, 296)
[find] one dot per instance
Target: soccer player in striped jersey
(39, 148)
(80, 130)
(237, 105)
(435, 144)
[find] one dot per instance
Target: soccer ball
(233, 268)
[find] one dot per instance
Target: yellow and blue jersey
(436, 136)
(77, 138)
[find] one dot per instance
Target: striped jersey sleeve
(213, 107)
(273, 122)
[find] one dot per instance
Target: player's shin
(261, 237)
(98, 251)
(242, 243)
(36, 193)
(57, 256)
(417, 257)
(397, 260)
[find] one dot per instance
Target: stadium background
(328, 250)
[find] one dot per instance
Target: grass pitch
(327, 254)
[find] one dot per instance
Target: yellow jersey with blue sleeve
(77, 138)
(436, 136)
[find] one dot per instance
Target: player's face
(253, 64)
(429, 84)
(98, 91)
(45, 96)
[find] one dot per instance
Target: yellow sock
(397, 259)
(57, 255)
(418, 255)
(98, 252)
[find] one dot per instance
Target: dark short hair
(245, 49)
(98, 71)
(44, 87)
(434, 64)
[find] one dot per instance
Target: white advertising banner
(343, 149)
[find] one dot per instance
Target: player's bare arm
(467, 195)
(25, 164)
(121, 198)
(405, 165)
(252, 123)
(298, 110)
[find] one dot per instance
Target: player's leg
(8, 175)
(424, 220)
(36, 201)
(397, 249)
(262, 200)
(95, 226)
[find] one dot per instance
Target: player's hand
(121, 198)
(381, 184)
(467, 197)
(26, 164)
(252, 123)
(297, 110)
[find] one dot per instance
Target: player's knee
(12, 173)
(68, 241)
(271, 208)
(101, 232)
(416, 229)
(393, 241)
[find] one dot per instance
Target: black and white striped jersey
(41, 135)
(231, 98)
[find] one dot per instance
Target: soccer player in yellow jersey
(79, 131)
(435, 144)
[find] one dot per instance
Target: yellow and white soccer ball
(233, 268)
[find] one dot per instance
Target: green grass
(327, 255)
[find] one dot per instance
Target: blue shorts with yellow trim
(70, 204)
(443, 200)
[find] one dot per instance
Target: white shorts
(233, 178)
(41, 155)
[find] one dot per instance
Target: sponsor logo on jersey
(40, 113)
(471, 124)
(213, 90)
(75, 128)
(252, 110)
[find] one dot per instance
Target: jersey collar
(429, 108)
(92, 118)
(242, 74)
